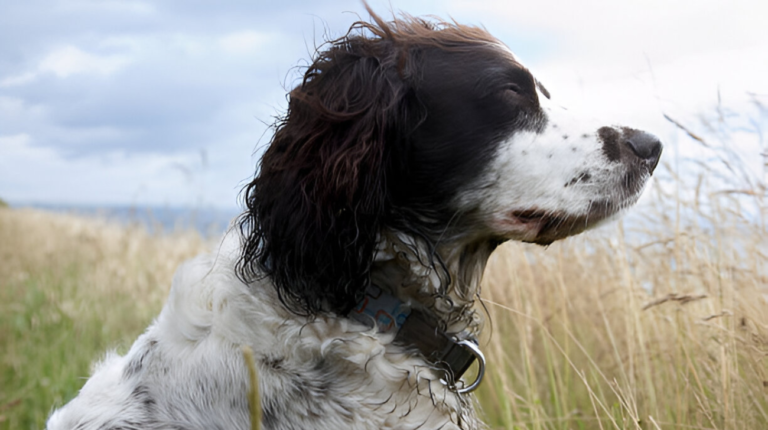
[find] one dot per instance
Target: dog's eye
(514, 88)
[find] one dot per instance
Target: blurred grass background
(656, 322)
(70, 288)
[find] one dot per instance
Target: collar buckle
(472, 347)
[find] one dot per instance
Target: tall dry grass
(599, 333)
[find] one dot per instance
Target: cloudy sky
(109, 102)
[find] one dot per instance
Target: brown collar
(451, 352)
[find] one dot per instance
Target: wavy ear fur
(319, 200)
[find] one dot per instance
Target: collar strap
(452, 353)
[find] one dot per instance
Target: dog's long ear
(318, 202)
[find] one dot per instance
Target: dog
(409, 151)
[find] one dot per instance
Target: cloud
(70, 60)
(21, 79)
(31, 173)
(110, 6)
(160, 93)
(605, 28)
(244, 42)
(67, 61)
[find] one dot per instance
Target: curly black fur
(342, 166)
(320, 198)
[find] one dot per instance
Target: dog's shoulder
(191, 350)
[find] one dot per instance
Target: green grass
(51, 334)
(69, 290)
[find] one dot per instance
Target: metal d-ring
(473, 348)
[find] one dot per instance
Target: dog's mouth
(544, 227)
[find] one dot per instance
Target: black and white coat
(410, 150)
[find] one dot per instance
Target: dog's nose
(646, 146)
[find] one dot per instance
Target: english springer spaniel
(409, 151)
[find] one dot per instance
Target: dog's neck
(443, 282)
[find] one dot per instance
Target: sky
(167, 103)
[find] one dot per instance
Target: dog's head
(430, 129)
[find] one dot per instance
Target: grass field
(69, 289)
(661, 323)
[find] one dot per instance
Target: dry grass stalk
(254, 402)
